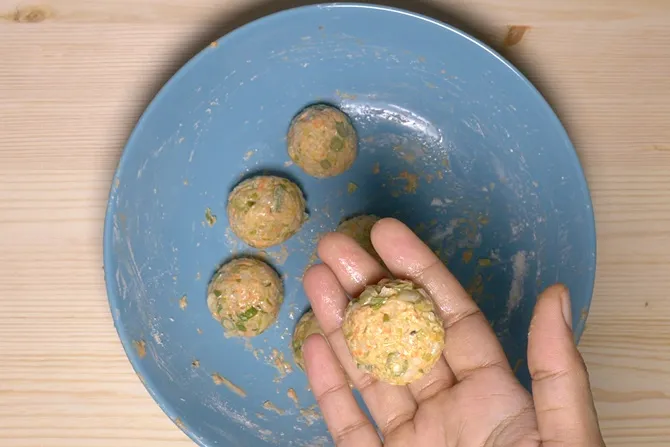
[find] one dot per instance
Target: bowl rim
(221, 42)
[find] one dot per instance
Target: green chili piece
(396, 364)
(279, 192)
(209, 217)
(248, 314)
(342, 129)
(336, 144)
(377, 302)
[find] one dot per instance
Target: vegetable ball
(322, 141)
(245, 296)
(266, 210)
(358, 228)
(393, 333)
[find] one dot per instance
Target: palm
(470, 398)
(467, 415)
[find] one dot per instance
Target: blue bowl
(454, 141)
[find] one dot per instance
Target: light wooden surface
(76, 74)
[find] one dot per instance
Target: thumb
(566, 415)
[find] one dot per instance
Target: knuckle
(340, 435)
(330, 391)
(432, 388)
(395, 421)
(365, 382)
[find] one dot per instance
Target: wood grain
(76, 74)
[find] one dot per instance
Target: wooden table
(75, 76)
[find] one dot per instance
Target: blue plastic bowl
(454, 141)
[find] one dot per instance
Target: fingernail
(566, 307)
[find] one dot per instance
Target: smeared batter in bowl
(322, 141)
(245, 295)
(393, 332)
(266, 210)
(358, 228)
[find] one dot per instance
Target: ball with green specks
(245, 295)
(322, 141)
(393, 332)
(266, 210)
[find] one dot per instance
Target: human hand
(471, 396)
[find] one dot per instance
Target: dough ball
(358, 228)
(307, 325)
(393, 333)
(245, 296)
(266, 210)
(322, 141)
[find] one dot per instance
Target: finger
(439, 378)
(353, 266)
(390, 406)
(326, 296)
(470, 343)
(566, 414)
(346, 422)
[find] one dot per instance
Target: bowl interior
(453, 141)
